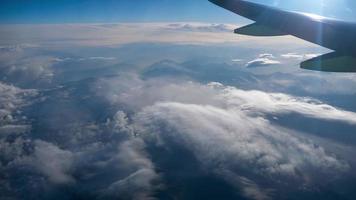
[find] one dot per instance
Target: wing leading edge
(333, 34)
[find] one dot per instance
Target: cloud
(16, 47)
(236, 60)
(136, 186)
(299, 56)
(262, 61)
(98, 58)
(31, 69)
(136, 93)
(12, 99)
(139, 184)
(201, 27)
(226, 129)
(229, 142)
(103, 156)
(11, 151)
(53, 162)
(266, 55)
(26, 66)
(257, 102)
(306, 83)
(103, 138)
(248, 187)
(229, 130)
(229, 137)
(64, 35)
(14, 129)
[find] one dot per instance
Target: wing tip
(331, 62)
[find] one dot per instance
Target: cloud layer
(228, 132)
(123, 122)
(125, 33)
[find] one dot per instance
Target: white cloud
(23, 67)
(16, 47)
(293, 55)
(201, 27)
(258, 102)
(137, 94)
(53, 162)
(98, 58)
(236, 60)
(232, 139)
(263, 60)
(136, 186)
(266, 55)
(299, 56)
(31, 69)
(228, 129)
(139, 183)
(120, 124)
(105, 156)
(224, 127)
(228, 137)
(117, 34)
(12, 99)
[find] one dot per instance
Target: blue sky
(58, 11)
(79, 11)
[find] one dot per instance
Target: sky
(91, 11)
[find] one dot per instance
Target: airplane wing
(333, 34)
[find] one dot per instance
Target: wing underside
(256, 29)
(330, 33)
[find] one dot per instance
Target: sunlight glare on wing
(314, 16)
